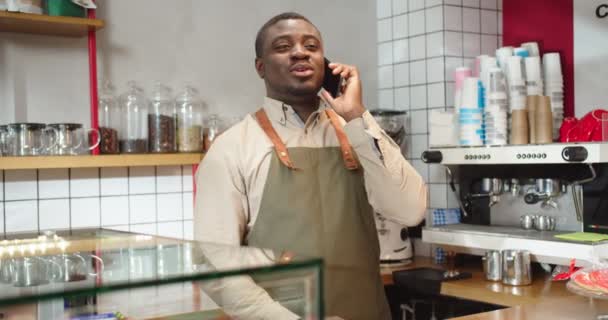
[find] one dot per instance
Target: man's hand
(349, 105)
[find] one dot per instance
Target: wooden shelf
(47, 25)
(123, 160)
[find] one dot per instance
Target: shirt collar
(285, 115)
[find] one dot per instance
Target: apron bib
(315, 204)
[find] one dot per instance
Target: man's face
(292, 62)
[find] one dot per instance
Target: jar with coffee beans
(133, 132)
(161, 121)
(109, 119)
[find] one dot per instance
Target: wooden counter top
(543, 299)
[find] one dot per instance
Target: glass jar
(190, 115)
(133, 132)
(109, 119)
(3, 140)
(161, 120)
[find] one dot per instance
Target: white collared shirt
(231, 178)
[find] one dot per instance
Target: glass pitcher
(73, 139)
(30, 139)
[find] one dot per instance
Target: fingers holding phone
(343, 90)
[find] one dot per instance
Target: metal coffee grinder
(395, 244)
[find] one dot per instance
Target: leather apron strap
(350, 158)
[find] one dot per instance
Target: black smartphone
(331, 82)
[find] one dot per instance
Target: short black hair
(261, 37)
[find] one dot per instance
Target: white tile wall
(402, 98)
(432, 3)
(171, 229)
(489, 4)
(383, 8)
(434, 44)
(402, 74)
(142, 180)
(470, 20)
(385, 77)
(114, 181)
(170, 206)
(418, 97)
(53, 183)
(452, 18)
(436, 95)
(418, 47)
(142, 209)
(54, 214)
(416, 23)
(434, 19)
(401, 50)
(439, 198)
(385, 98)
(114, 210)
(419, 121)
(437, 174)
(84, 182)
(471, 44)
(470, 3)
(21, 216)
(188, 230)
(422, 168)
(385, 30)
(416, 5)
(435, 37)
(1, 216)
(418, 72)
(453, 44)
(489, 44)
(72, 198)
(85, 212)
(400, 26)
(399, 6)
(20, 185)
(435, 70)
(489, 22)
(169, 179)
(188, 202)
(385, 53)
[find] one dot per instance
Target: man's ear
(259, 67)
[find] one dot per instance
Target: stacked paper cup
(470, 118)
(459, 75)
(485, 65)
(496, 109)
(534, 80)
(554, 89)
(516, 83)
(532, 48)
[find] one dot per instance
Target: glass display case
(104, 274)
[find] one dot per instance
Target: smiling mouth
(301, 70)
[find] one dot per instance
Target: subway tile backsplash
(430, 39)
(157, 200)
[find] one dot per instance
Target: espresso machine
(563, 188)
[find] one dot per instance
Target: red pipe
(93, 79)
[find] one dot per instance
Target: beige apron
(315, 204)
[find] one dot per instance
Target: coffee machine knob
(432, 156)
(574, 154)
